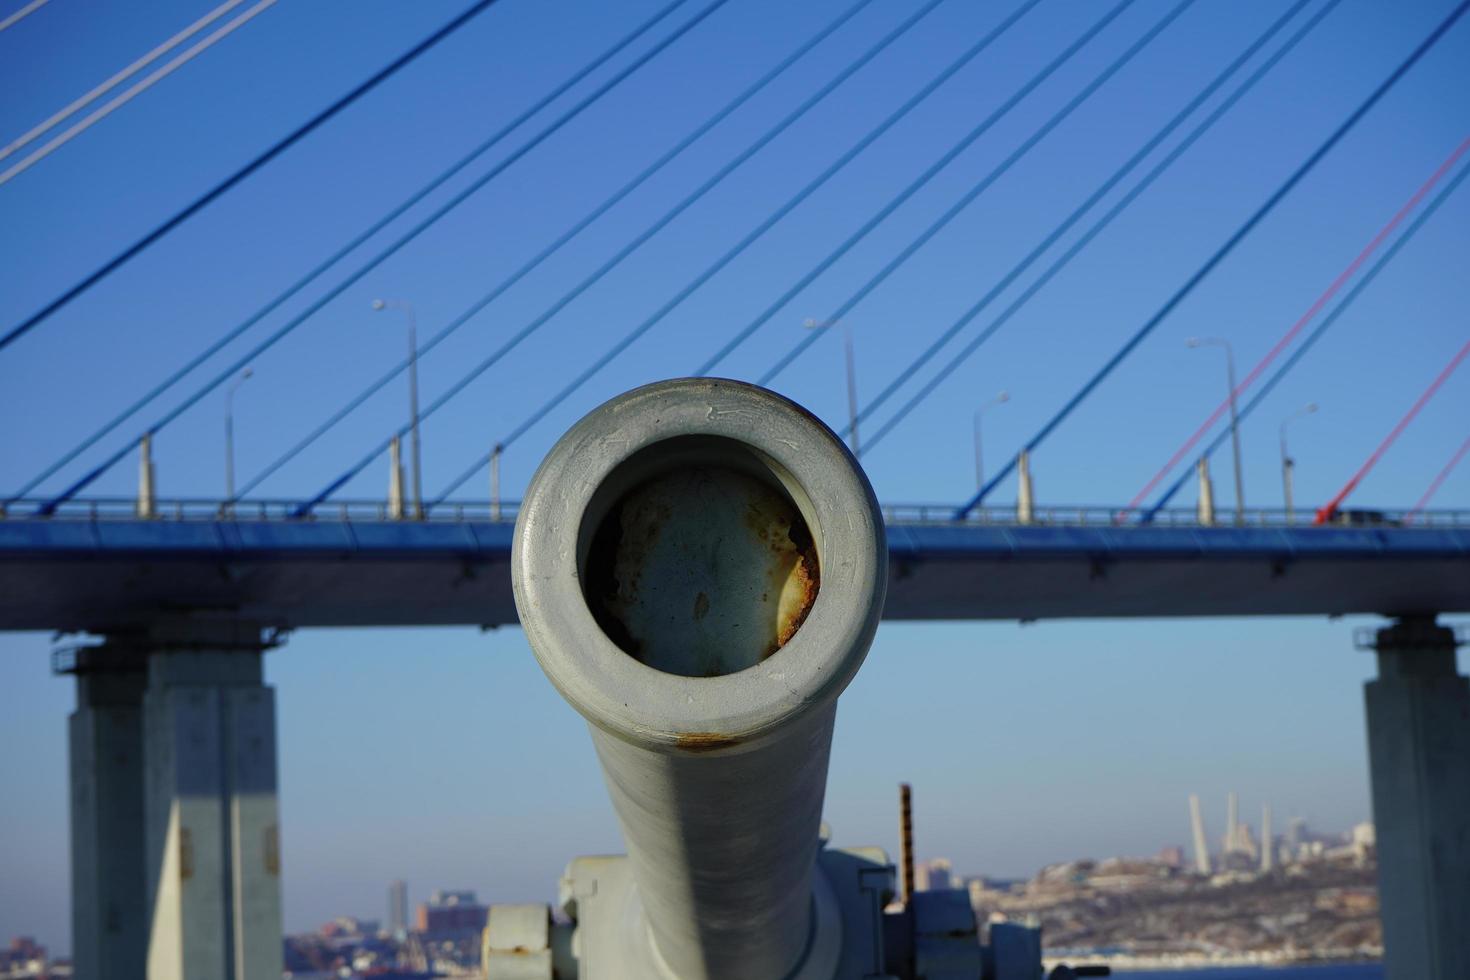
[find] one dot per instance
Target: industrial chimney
(1201, 847)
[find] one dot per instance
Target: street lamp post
(245, 375)
(852, 423)
(495, 481)
(413, 398)
(1000, 399)
(1234, 415)
(1288, 465)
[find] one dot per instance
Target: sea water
(1354, 971)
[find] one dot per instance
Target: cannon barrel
(700, 566)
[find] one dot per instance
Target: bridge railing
(1095, 516)
(203, 509)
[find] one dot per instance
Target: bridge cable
(592, 216)
(363, 236)
(189, 210)
(398, 243)
(1435, 484)
(1311, 339)
(1317, 306)
(1220, 254)
(627, 340)
(893, 204)
(810, 188)
(136, 89)
(1327, 510)
(958, 359)
(80, 103)
(955, 209)
(1067, 223)
(22, 14)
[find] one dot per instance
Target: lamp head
(379, 304)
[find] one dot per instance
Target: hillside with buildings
(1300, 897)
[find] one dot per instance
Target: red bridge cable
(1324, 514)
(1307, 317)
(1434, 486)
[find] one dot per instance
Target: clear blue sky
(410, 753)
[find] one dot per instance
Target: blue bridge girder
(96, 568)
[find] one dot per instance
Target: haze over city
(405, 779)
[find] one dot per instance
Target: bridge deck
(112, 573)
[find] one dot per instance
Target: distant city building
(1172, 857)
(24, 958)
(452, 913)
(985, 893)
(347, 925)
(24, 947)
(1245, 855)
(1238, 841)
(1364, 843)
(441, 896)
(1296, 835)
(933, 876)
(398, 908)
(1245, 842)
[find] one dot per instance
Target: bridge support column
(1419, 756)
(108, 880)
(211, 834)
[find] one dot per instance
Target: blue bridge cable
(342, 252)
(629, 338)
(285, 143)
(746, 332)
(658, 315)
(948, 215)
(459, 198)
(1220, 253)
(770, 221)
(567, 236)
(1086, 238)
(1147, 515)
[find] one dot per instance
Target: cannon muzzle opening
(704, 565)
(699, 566)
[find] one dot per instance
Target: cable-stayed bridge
(184, 594)
(97, 567)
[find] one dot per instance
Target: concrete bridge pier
(176, 843)
(1419, 758)
(109, 914)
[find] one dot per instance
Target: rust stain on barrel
(796, 584)
(704, 741)
(795, 568)
(807, 579)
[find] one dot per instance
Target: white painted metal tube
(699, 566)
